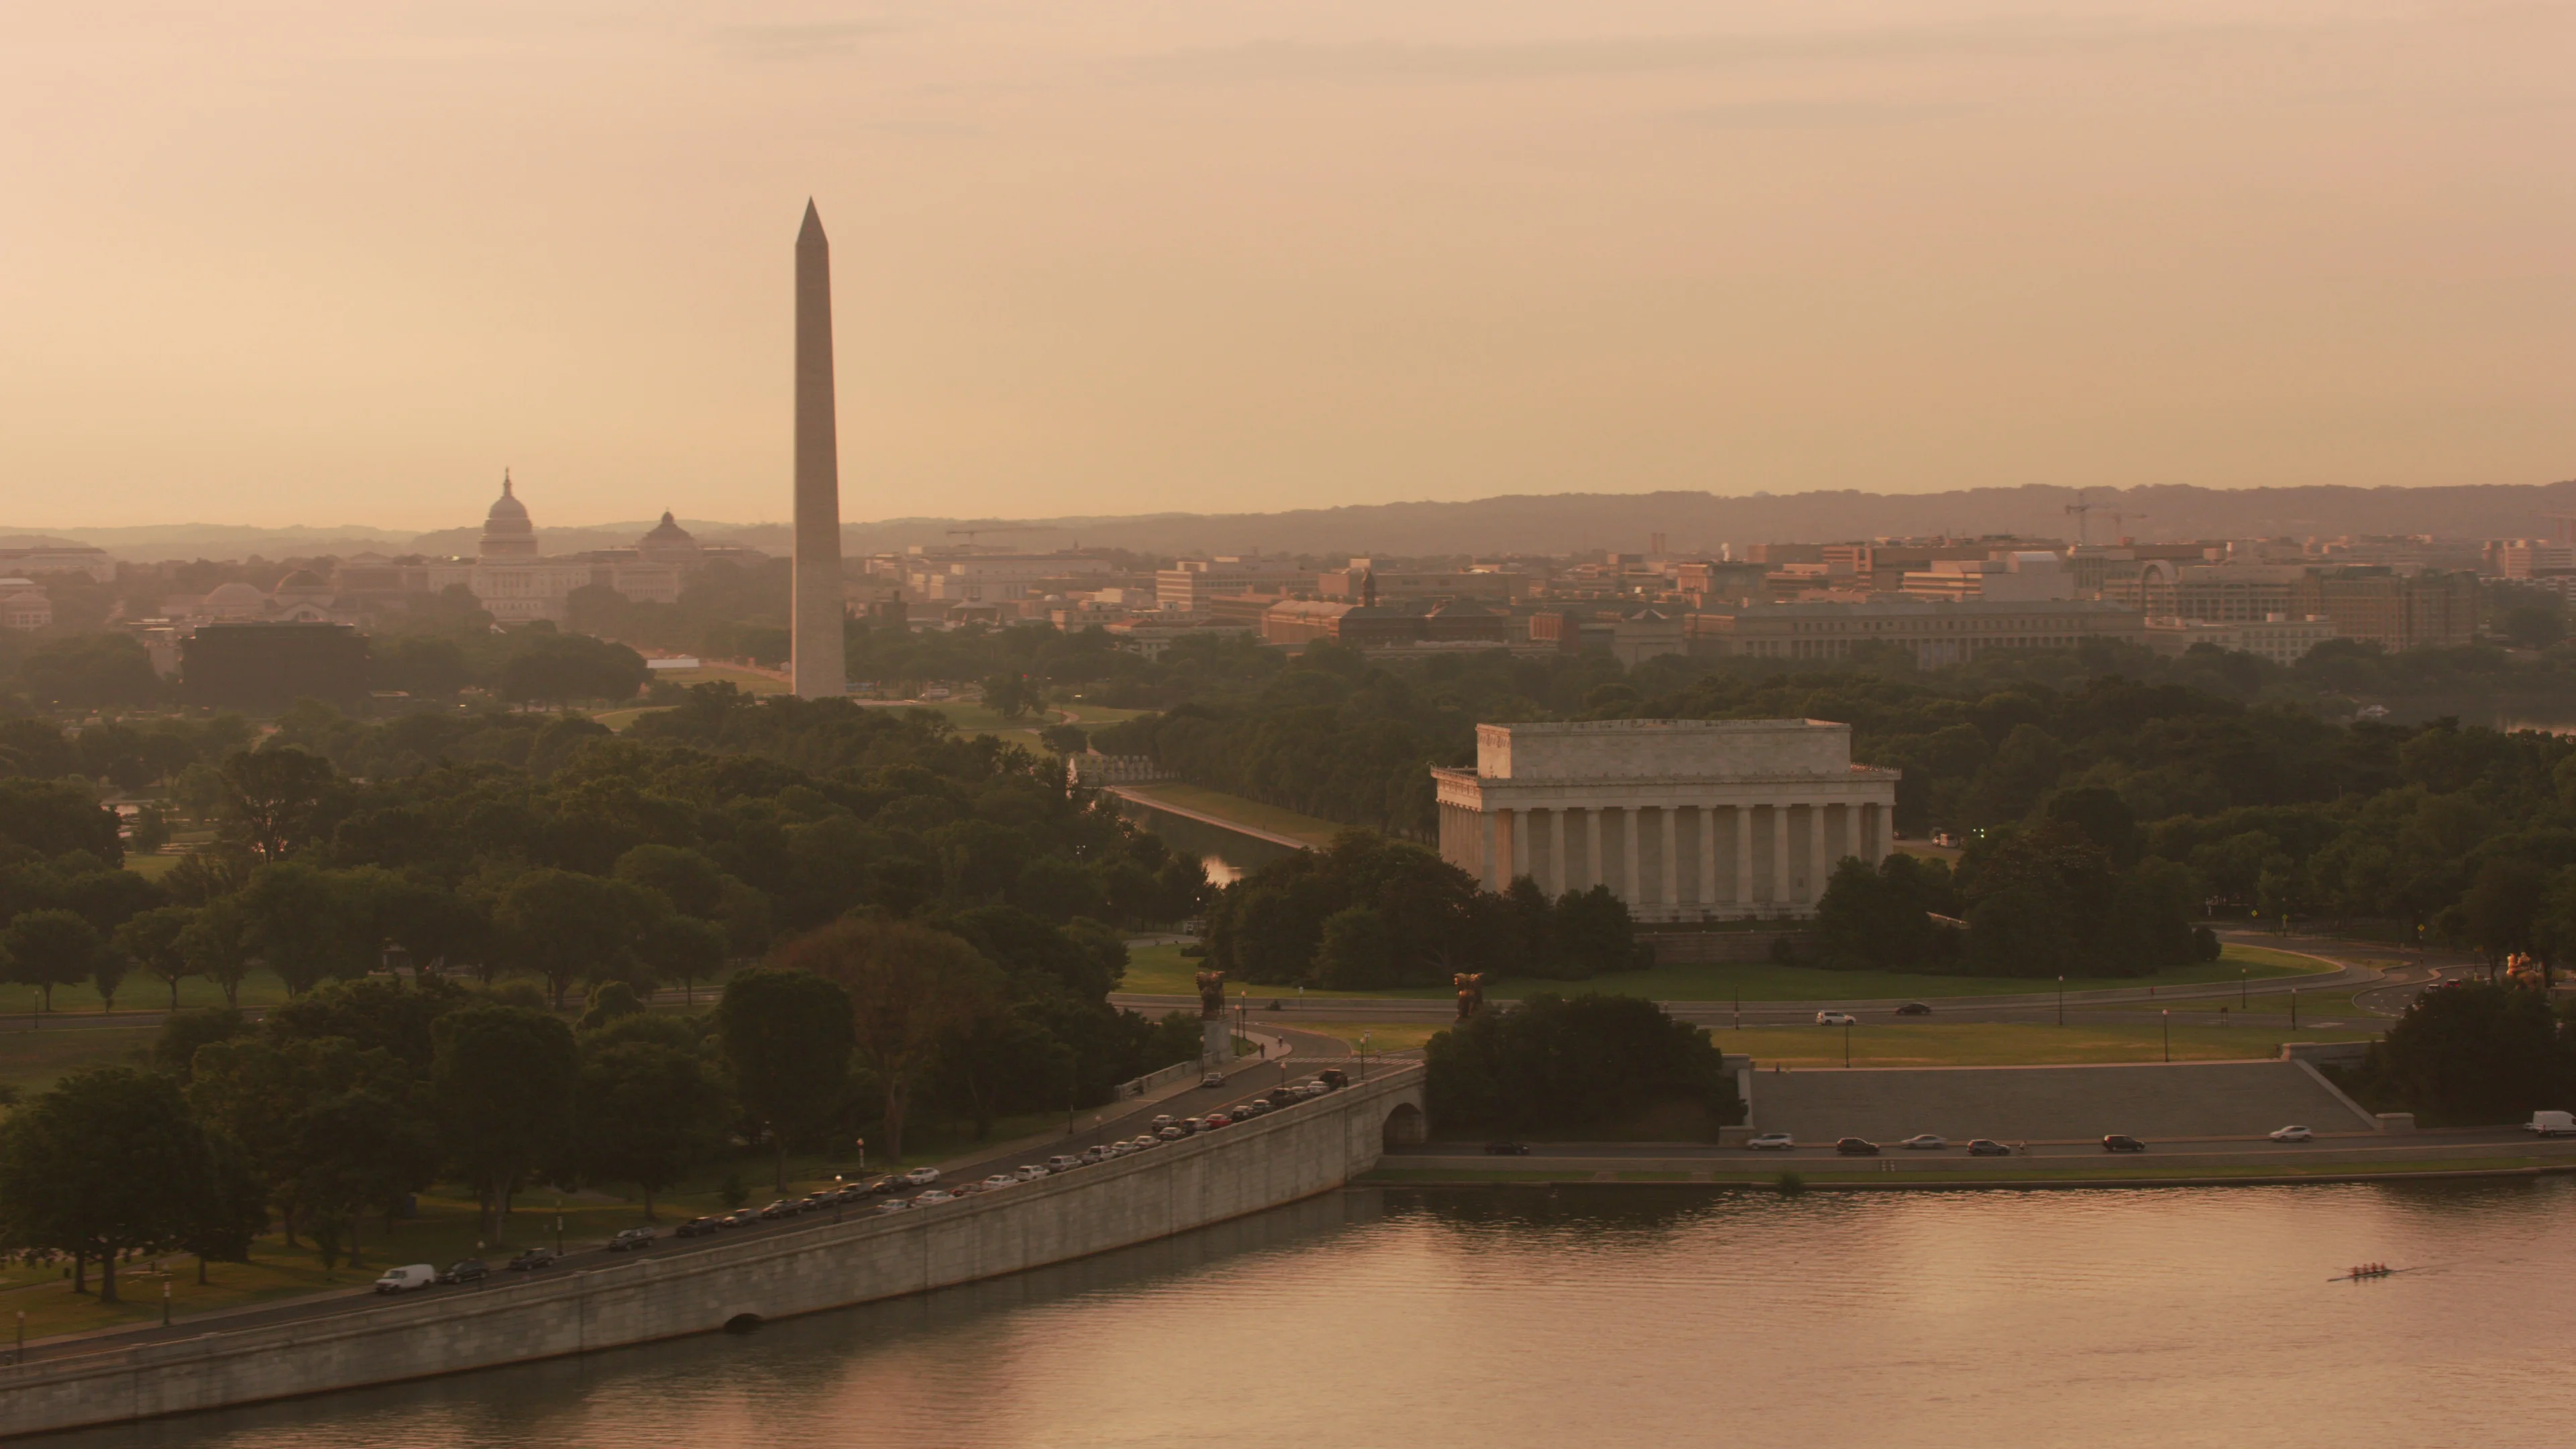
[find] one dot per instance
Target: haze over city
(306, 263)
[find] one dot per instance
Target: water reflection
(1227, 854)
(1535, 1317)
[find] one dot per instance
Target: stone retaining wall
(1313, 1147)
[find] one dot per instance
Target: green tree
(2475, 1053)
(682, 949)
(152, 941)
(1554, 1065)
(182, 1032)
(51, 817)
(308, 924)
(1354, 953)
(569, 927)
(786, 1034)
(910, 989)
(648, 1114)
(105, 1163)
(216, 945)
(51, 948)
(272, 798)
(504, 1079)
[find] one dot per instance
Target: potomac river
(1624, 1315)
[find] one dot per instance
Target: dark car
(1914, 1008)
(2122, 1142)
(785, 1207)
(533, 1259)
(630, 1239)
(1507, 1149)
(1282, 1096)
(1334, 1077)
(472, 1270)
(1856, 1147)
(699, 1227)
(1987, 1147)
(741, 1217)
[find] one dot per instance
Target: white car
(922, 1176)
(894, 1205)
(1836, 1018)
(1030, 1173)
(1926, 1142)
(1770, 1142)
(934, 1197)
(1000, 1180)
(2294, 1134)
(407, 1279)
(1063, 1162)
(1213, 1079)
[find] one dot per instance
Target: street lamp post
(1364, 1055)
(2294, 1008)
(2061, 1001)
(165, 1303)
(1847, 1026)
(2241, 1000)
(2168, 1033)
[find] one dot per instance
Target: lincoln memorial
(1683, 819)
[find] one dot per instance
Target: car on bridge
(533, 1259)
(467, 1270)
(1213, 1080)
(1769, 1142)
(741, 1217)
(630, 1239)
(408, 1279)
(934, 1197)
(785, 1207)
(922, 1176)
(1063, 1162)
(699, 1227)
(1001, 1180)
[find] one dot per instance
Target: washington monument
(814, 655)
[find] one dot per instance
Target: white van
(2551, 1124)
(403, 1280)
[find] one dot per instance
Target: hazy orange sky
(282, 261)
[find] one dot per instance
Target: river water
(1630, 1316)
(1226, 854)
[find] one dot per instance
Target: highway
(1308, 1053)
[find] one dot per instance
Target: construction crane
(1004, 528)
(2083, 512)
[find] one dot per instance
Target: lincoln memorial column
(1707, 858)
(1672, 856)
(1592, 848)
(1744, 859)
(1628, 870)
(1520, 845)
(1557, 875)
(1781, 891)
(1492, 826)
(1816, 847)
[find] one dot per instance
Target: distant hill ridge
(1534, 523)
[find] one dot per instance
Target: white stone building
(1684, 820)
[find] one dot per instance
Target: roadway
(1305, 1054)
(2359, 1150)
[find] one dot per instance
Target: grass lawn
(153, 867)
(1162, 970)
(32, 1061)
(1314, 832)
(742, 679)
(1383, 1036)
(619, 719)
(137, 993)
(2022, 1044)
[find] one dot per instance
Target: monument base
(1216, 1043)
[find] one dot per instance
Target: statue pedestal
(1216, 1042)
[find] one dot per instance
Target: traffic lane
(2502, 1141)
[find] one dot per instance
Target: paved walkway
(2058, 1103)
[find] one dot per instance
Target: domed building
(507, 531)
(669, 543)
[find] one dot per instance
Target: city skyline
(1254, 259)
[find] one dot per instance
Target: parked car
(1987, 1147)
(1063, 1162)
(468, 1270)
(742, 1217)
(698, 1227)
(1769, 1142)
(1856, 1147)
(533, 1259)
(630, 1239)
(1334, 1077)
(408, 1279)
(2293, 1134)
(1836, 1018)
(2122, 1142)
(1213, 1079)
(1913, 1008)
(1926, 1142)
(922, 1176)
(785, 1207)
(1507, 1149)
(934, 1197)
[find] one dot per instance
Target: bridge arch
(1405, 1126)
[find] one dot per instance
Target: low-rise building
(24, 605)
(1682, 819)
(2393, 609)
(2023, 575)
(1938, 632)
(1363, 580)
(2281, 640)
